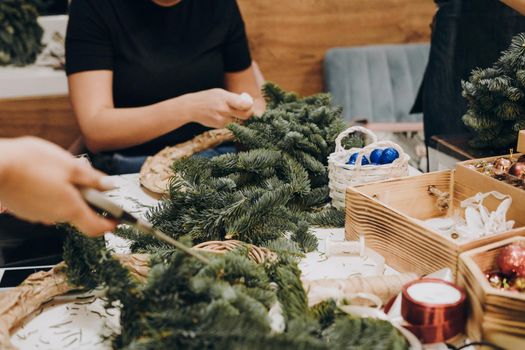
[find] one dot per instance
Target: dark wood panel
(289, 38)
(49, 117)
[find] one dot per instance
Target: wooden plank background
(289, 38)
(49, 117)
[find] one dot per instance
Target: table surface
(457, 147)
(78, 321)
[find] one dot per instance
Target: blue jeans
(118, 163)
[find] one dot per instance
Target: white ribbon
(277, 322)
(478, 221)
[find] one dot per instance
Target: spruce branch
(496, 98)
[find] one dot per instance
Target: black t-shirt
(157, 53)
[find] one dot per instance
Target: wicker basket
(257, 254)
(342, 175)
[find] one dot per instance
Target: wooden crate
(494, 315)
(480, 180)
(389, 214)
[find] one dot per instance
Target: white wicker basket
(342, 175)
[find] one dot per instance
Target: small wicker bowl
(342, 175)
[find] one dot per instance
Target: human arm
(247, 81)
(40, 182)
(518, 5)
(241, 73)
(105, 127)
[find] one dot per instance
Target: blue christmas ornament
(388, 156)
(376, 155)
(353, 159)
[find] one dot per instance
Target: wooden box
(494, 315)
(389, 214)
(485, 183)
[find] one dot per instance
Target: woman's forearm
(518, 5)
(105, 127)
(118, 128)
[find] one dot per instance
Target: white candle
(434, 293)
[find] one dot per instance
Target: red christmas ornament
(518, 169)
(501, 166)
(511, 259)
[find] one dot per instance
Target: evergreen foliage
(264, 195)
(185, 304)
(277, 186)
(496, 99)
(20, 33)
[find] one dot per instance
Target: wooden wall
(289, 38)
(49, 117)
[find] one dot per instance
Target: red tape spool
(436, 333)
(435, 309)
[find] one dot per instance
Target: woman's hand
(216, 108)
(39, 182)
(106, 128)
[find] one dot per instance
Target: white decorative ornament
(247, 98)
(478, 221)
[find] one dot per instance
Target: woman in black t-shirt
(145, 74)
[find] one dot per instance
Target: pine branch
(275, 96)
(479, 122)
(304, 238)
(329, 217)
(496, 99)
